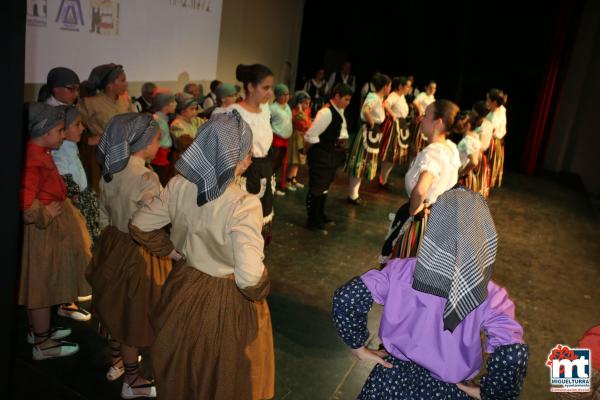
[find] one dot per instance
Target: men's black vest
(329, 137)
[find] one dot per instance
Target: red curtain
(541, 123)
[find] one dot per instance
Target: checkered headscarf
(124, 134)
(456, 255)
(210, 161)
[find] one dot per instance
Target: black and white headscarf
(457, 253)
(43, 117)
(210, 161)
(124, 134)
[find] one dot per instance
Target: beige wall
(259, 31)
(252, 31)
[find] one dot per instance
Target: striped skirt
(364, 155)
(395, 141)
(496, 159)
(404, 235)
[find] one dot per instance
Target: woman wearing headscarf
(281, 122)
(213, 313)
(109, 86)
(301, 122)
(186, 123)
(56, 244)
(126, 279)
(435, 307)
(81, 194)
(61, 88)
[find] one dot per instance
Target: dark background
(467, 47)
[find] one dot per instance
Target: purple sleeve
(378, 283)
(498, 321)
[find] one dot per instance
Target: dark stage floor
(548, 260)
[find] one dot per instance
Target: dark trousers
(322, 165)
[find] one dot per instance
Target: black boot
(313, 210)
(324, 218)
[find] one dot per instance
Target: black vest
(330, 135)
(338, 79)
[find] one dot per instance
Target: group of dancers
(163, 215)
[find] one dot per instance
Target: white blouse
(398, 105)
(498, 120)
(423, 101)
(468, 145)
(485, 132)
(260, 124)
(375, 103)
(442, 161)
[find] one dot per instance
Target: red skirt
(162, 157)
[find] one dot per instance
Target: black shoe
(315, 226)
(313, 208)
(324, 219)
(355, 202)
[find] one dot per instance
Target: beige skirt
(212, 341)
(54, 259)
(127, 281)
(295, 151)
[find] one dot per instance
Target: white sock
(386, 170)
(353, 187)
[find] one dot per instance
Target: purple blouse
(412, 326)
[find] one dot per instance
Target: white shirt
(260, 124)
(317, 85)
(281, 120)
(51, 101)
(422, 101)
(498, 120)
(442, 161)
(67, 162)
(209, 101)
(397, 104)
(485, 131)
(375, 104)
(321, 122)
(344, 80)
(366, 89)
(468, 145)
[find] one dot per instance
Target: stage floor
(548, 259)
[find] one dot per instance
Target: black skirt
(259, 180)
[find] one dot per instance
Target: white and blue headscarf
(458, 251)
(210, 161)
(124, 134)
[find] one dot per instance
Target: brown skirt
(54, 259)
(93, 171)
(127, 281)
(295, 149)
(212, 342)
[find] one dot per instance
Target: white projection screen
(154, 40)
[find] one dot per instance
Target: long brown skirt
(127, 281)
(212, 342)
(90, 164)
(54, 259)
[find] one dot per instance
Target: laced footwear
(130, 390)
(56, 333)
(60, 349)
